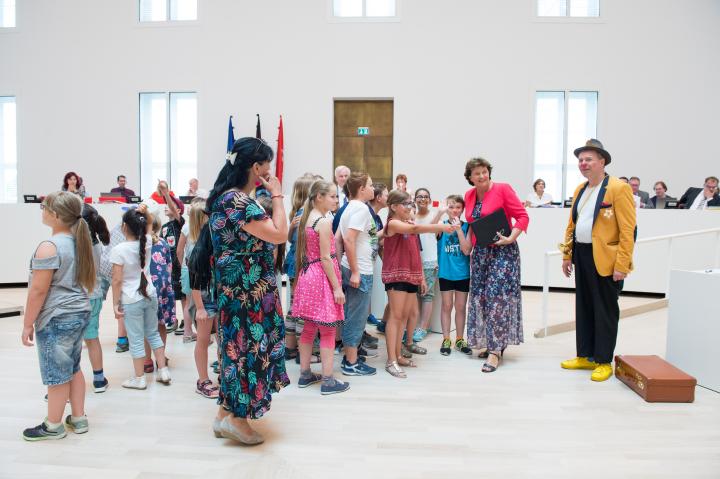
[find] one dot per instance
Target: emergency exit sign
(363, 131)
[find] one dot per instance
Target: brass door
(372, 153)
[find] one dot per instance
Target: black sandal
(489, 368)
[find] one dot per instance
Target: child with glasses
(428, 254)
(402, 274)
(453, 251)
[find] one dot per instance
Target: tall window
(564, 120)
(168, 10)
(7, 13)
(364, 8)
(568, 8)
(8, 150)
(168, 140)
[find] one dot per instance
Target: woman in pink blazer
(495, 312)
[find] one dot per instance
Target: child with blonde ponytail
(57, 312)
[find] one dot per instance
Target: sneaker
(169, 328)
(306, 381)
(122, 347)
(367, 353)
(180, 330)
(360, 368)
(216, 367)
(135, 383)
(164, 376)
(381, 327)
(419, 335)
(370, 342)
(462, 346)
(189, 339)
(101, 386)
(373, 320)
(42, 433)
(78, 427)
(445, 349)
(333, 386)
(338, 348)
(206, 389)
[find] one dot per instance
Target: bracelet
(277, 196)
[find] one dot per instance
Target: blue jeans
(357, 308)
(59, 345)
(141, 323)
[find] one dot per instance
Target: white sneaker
(164, 374)
(135, 383)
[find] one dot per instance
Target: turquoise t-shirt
(453, 264)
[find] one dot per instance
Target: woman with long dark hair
(250, 325)
(74, 184)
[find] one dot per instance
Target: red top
(161, 200)
(401, 261)
(501, 195)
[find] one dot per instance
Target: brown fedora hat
(594, 145)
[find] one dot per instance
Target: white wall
(462, 73)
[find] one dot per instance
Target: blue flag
(231, 136)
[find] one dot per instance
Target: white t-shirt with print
(357, 217)
(127, 254)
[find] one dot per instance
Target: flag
(257, 127)
(280, 152)
(231, 136)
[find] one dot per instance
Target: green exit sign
(363, 131)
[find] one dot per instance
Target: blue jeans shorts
(59, 345)
(141, 323)
(91, 332)
(357, 308)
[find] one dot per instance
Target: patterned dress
(495, 312)
(161, 274)
(250, 325)
(314, 300)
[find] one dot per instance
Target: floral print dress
(495, 304)
(161, 275)
(250, 325)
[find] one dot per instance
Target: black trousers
(596, 308)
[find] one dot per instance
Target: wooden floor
(446, 420)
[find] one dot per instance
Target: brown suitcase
(655, 379)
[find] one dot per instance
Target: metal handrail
(670, 238)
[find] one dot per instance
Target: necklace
(586, 196)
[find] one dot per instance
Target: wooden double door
(363, 137)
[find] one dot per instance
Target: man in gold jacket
(599, 243)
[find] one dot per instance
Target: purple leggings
(327, 335)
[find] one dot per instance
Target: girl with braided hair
(134, 297)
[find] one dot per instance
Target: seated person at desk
(641, 197)
(163, 196)
(121, 190)
(701, 198)
(195, 190)
(661, 197)
(538, 198)
(74, 184)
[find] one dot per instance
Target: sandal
(291, 353)
(407, 363)
(207, 389)
(489, 368)
(313, 359)
(148, 367)
(395, 370)
(484, 354)
(404, 352)
(414, 348)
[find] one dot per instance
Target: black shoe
(446, 349)
(290, 353)
(101, 386)
(42, 433)
(367, 338)
(180, 329)
(364, 353)
(381, 328)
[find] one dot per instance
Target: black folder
(486, 228)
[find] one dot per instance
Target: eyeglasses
(42, 206)
(409, 205)
(422, 197)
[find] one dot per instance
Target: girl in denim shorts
(62, 271)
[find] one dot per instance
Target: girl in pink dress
(319, 298)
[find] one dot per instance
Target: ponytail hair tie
(78, 217)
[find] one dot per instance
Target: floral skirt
(495, 309)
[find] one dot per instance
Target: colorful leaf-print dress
(251, 328)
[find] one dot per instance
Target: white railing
(668, 238)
